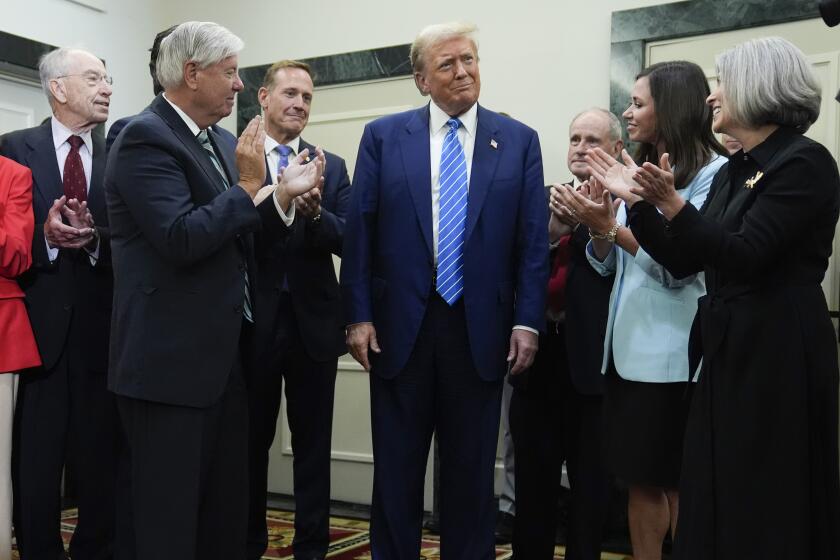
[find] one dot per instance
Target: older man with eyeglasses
(65, 416)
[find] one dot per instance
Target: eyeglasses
(92, 79)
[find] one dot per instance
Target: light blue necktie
(284, 152)
(453, 216)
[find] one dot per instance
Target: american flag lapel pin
(494, 144)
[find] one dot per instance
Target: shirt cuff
(524, 328)
(52, 252)
(287, 219)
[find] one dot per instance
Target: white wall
(121, 35)
(541, 61)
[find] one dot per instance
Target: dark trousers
(189, 476)
(438, 391)
(65, 416)
(551, 423)
(310, 392)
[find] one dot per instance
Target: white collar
(61, 133)
(438, 118)
(194, 128)
(271, 143)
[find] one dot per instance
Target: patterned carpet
(349, 539)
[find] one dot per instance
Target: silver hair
(203, 42)
(614, 122)
(436, 33)
(52, 65)
(769, 80)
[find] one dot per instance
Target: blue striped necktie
(453, 216)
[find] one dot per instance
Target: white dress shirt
(273, 156)
(438, 130)
(194, 128)
(61, 134)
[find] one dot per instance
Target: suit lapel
(183, 133)
(267, 173)
(304, 145)
(41, 159)
(414, 144)
(488, 145)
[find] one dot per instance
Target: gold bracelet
(609, 236)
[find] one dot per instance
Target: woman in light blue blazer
(646, 340)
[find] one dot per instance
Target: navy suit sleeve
(154, 186)
(328, 235)
(114, 131)
(360, 231)
(532, 243)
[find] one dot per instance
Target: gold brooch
(753, 180)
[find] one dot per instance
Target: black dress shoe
(504, 527)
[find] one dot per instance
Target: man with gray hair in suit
(65, 415)
(185, 237)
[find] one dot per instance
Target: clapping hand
(250, 157)
(77, 214)
(617, 178)
(309, 203)
(558, 210)
(300, 176)
(592, 205)
(656, 186)
(75, 235)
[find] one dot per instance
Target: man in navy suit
(300, 333)
(186, 236)
(64, 413)
(443, 276)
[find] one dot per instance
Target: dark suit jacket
(181, 246)
(119, 124)
(388, 261)
(69, 287)
(305, 259)
(587, 307)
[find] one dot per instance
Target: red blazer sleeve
(16, 219)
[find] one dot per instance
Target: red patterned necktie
(75, 183)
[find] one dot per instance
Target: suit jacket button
(242, 267)
(237, 309)
(68, 306)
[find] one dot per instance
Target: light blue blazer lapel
(414, 145)
(485, 160)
